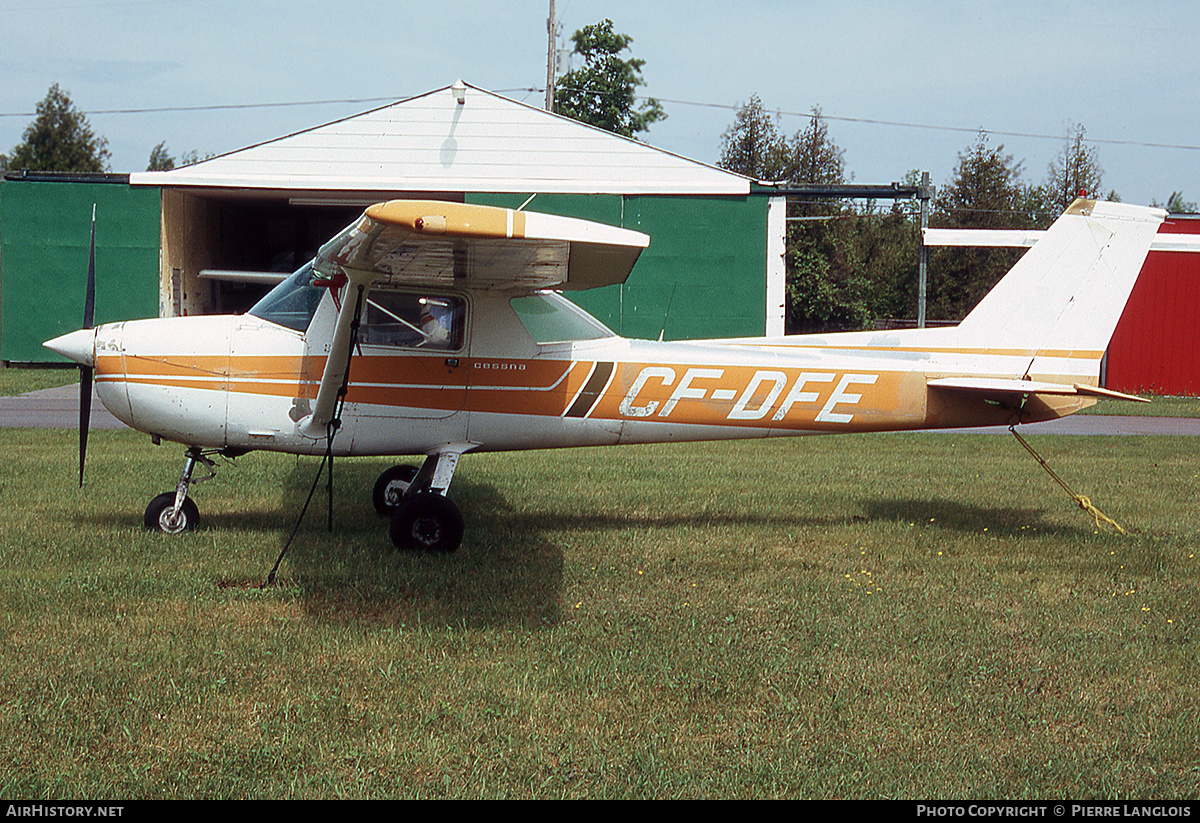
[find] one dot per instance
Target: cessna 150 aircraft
(437, 329)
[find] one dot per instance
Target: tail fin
(1067, 293)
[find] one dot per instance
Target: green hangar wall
(701, 277)
(45, 230)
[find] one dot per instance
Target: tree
(1074, 172)
(984, 192)
(1176, 204)
(830, 283)
(60, 139)
(753, 145)
(815, 159)
(160, 158)
(192, 156)
(828, 287)
(602, 92)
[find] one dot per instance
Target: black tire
(391, 487)
(426, 521)
(158, 518)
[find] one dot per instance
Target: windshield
(293, 302)
(551, 318)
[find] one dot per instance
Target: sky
(902, 86)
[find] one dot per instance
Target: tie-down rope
(1082, 500)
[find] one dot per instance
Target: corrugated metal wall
(1155, 346)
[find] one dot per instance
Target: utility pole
(551, 57)
(924, 194)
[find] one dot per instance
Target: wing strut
(337, 363)
(331, 426)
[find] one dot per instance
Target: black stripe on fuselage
(591, 391)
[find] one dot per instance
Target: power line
(724, 106)
(240, 106)
(218, 107)
(932, 127)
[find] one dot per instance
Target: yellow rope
(1082, 500)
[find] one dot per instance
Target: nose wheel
(162, 515)
(175, 512)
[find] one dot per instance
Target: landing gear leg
(425, 519)
(174, 512)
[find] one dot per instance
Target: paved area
(56, 408)
(59, 409)
(1095, 424)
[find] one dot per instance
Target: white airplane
(435, 328)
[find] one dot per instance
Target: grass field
(913, 616)
(14, 380)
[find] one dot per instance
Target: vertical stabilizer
(1067, 293)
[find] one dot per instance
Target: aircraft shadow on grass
(509, 571)
(956, 516)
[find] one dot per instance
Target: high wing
(432, 242)
(438, 243)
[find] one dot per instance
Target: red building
(1156, 346)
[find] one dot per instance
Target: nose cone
(79, 346)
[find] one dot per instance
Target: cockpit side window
(413, 320)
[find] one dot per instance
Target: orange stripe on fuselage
(709, 395)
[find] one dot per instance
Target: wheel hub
(172, 521)
(427, 530)
(394, 492)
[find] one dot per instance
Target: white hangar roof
(435, 143)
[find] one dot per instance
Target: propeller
(85, 371)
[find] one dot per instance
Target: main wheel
(159, 517)
(426, 521)
(390, 488)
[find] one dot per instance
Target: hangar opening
(223, 252)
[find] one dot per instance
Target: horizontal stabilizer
(1001, 388)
